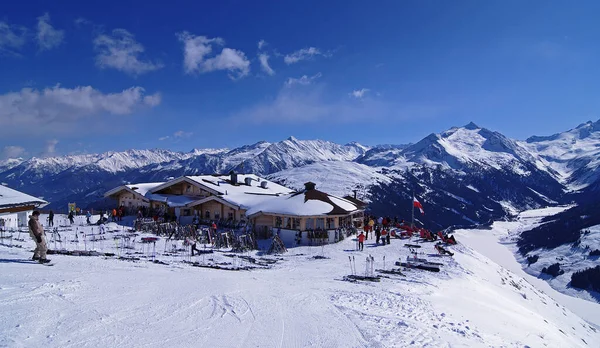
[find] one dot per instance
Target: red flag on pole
(417, 204)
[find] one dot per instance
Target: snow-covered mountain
(463, 176)
(574, 155)
(84, 178)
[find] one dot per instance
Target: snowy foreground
(289, 300)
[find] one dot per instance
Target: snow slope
(299, 301)
(499, 244)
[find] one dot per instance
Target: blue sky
(86, 78)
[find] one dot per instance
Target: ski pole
(350, 259)
(384, 262)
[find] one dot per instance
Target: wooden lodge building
(15, 207)
(267, 206)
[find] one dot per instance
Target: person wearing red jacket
(361, 241)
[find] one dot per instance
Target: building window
(320, 224)
(278, 221)
(230, 215)
(330, 224)
(207, 214)
(217, 215)
(296, 223)
(310, 223)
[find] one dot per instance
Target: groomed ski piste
(140, 297)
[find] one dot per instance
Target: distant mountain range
(463, 176)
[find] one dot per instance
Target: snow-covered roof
(172, 200)
(306, 203)
(13, 198)
(224, 186)
(141, 188)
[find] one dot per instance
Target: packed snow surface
(296, 301)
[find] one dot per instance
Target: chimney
(309, 186)
(264, 184)
(248, 181)
(233, 177)
(354, 193)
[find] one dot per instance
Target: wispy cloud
(182, 134)
(263, 58)
(120, 51)
(303, 80)
(80, 21)
(12, 151)
(47, 36)
(12, 38)
(50, 148)
(177, 135)
(261, 44)
(52, 109)
(359, 93)
(304, 54)
(196, 52)
(308, 106)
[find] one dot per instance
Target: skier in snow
(377, 233)
(51, 219)
(71, 218)
(361, 241)
(114, 215)
(387, 237)
(36, 231)
(87, 217)
(371, 224)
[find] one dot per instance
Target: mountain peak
(471, 126)
(292, 138)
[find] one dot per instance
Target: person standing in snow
(371, 224)
(71, 218)
(114, 215)
(51, 219)
(377, 234)
(36, 231)
(361, 241)
(87, 217)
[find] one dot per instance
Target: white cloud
(261, 44)
(197, 49)
(177, 135)
(47, 36)
(54, 109)
(264, 63)
(304, 80)
(304, 54)
(12, 38)
(12, 151)
(80, 21)
(50, 148)
(359, 93)
(120, 51)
